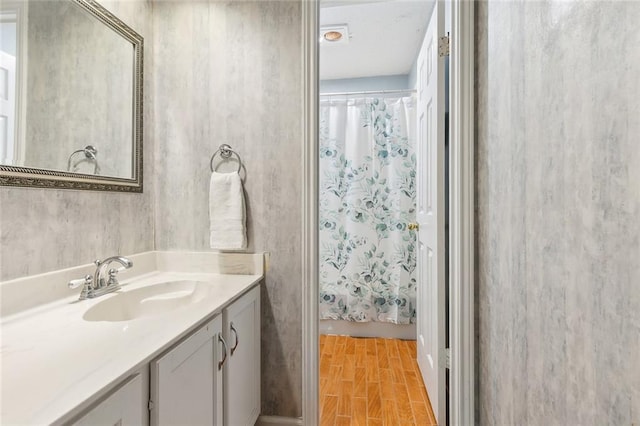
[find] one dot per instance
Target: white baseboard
(278, 421)
(368, 329)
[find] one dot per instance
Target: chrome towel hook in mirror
(225, 152)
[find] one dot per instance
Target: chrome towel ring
(225, 152)
(90, 153)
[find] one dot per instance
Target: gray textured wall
(558, 214)
(230, 72)
(43, 230)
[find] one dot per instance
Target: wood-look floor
(371, 381)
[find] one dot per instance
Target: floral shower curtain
(367, 198)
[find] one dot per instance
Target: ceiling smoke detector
(334, 34)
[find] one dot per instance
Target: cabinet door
(186, 382)
(124, 406)
(242, 370)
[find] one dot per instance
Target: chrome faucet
(98, 284)
(101, 266)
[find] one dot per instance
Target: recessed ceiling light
(334, 34)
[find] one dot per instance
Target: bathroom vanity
(179, 343)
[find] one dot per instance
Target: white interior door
(7, 108)
(430, 215)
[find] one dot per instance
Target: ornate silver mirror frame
(43, 178)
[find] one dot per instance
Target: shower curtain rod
(371, 92)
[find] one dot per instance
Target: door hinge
(443, 46)
(447, 358)
(150, 405)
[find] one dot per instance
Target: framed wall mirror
(70, 97)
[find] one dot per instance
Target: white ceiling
(385, 37)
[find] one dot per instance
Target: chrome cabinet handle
(221, 363)
(233, 349)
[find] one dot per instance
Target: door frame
(310, 192)
(461, 216)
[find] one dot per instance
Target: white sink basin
(148, 301)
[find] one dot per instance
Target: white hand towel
(227, 212)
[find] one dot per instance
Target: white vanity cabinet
(186, 382)
(125, 406)
(169, 318)
(242, 369)
(213, 376)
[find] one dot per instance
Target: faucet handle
(114, 271)
(81, 281)
(113, 274)
(87, 289)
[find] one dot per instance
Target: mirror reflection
(67, 89)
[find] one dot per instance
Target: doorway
(381, 179)
(460, 215)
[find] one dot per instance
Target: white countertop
(54, 364)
